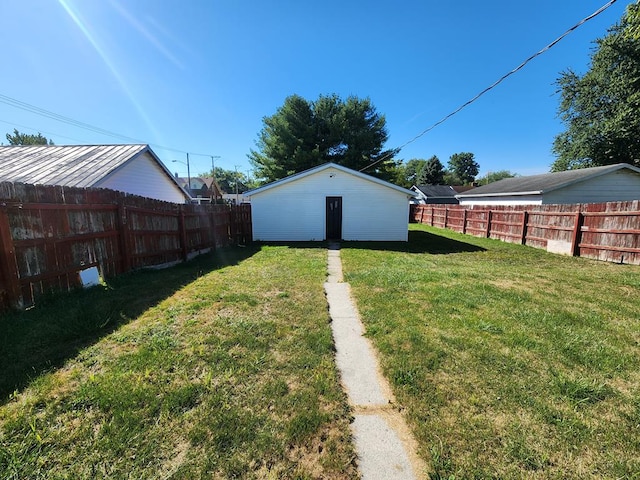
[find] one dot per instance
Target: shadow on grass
(42, 338)
(419, 242)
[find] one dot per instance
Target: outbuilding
(610, 183)
(131, 169)
(330, 202)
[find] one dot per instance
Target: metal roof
(544, 183)
(325, 166)
(66, 165)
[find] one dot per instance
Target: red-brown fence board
(48, 234)
(602, 231)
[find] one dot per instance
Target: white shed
(610, 183)
(330, 202)
(132, 169)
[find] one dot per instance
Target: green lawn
(219, 368)
(510, 362)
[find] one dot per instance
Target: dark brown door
(334, 218)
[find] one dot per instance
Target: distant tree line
(461, 170)
(303, 134)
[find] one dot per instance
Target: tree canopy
(228, 179)
(303, 134)
(495, 176)
(432, 172)
(409, 173)
(19, 138)
(462, 168)
(601, 109)
(417, 171)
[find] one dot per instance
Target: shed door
(334, 218)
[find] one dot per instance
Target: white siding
(296, 211)
(620, 185)
(506, 200)
(143, 176)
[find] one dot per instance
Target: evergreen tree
(432, 173)
(303, 134)
(19, 138)
(463, 167)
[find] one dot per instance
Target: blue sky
(199, 75)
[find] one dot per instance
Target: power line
(14, 125)
(86, 126)
(493, 85)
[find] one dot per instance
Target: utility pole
(189, 174)
(213, 165)
(236, 177)
(213, 174)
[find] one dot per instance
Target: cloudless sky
(199, 75)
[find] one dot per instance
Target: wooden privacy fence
(602, 231)
(49, 234)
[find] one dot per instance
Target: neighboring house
(213, 188)
(132, 169)
(201, 188)
(610, 183)
(432, 194)
(330, 202)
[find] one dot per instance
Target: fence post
(421, 214)
(125, 244)
(8, 265)
(431, 216)
(446, 216)
(249, 225)
(212, 226)
(464, 221)
(576, 237)
(525, 220)
(183, 234)
(488, 232)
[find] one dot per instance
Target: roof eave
(505, 194)
(148, 149)
(325, 166)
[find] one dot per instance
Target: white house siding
(503, 200)
(143, 176)
(618, 186)
(296, 211)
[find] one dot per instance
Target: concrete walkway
(385, 447)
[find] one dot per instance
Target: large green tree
(19, 138)
(412, 171)
(303, 134)
(601, 109)
(432, 173)
(462, 168)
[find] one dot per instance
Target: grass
(510, 362)
(218, 368)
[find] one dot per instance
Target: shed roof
(436, 190)
(327, 166)
(68, 165)
(544, 183)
